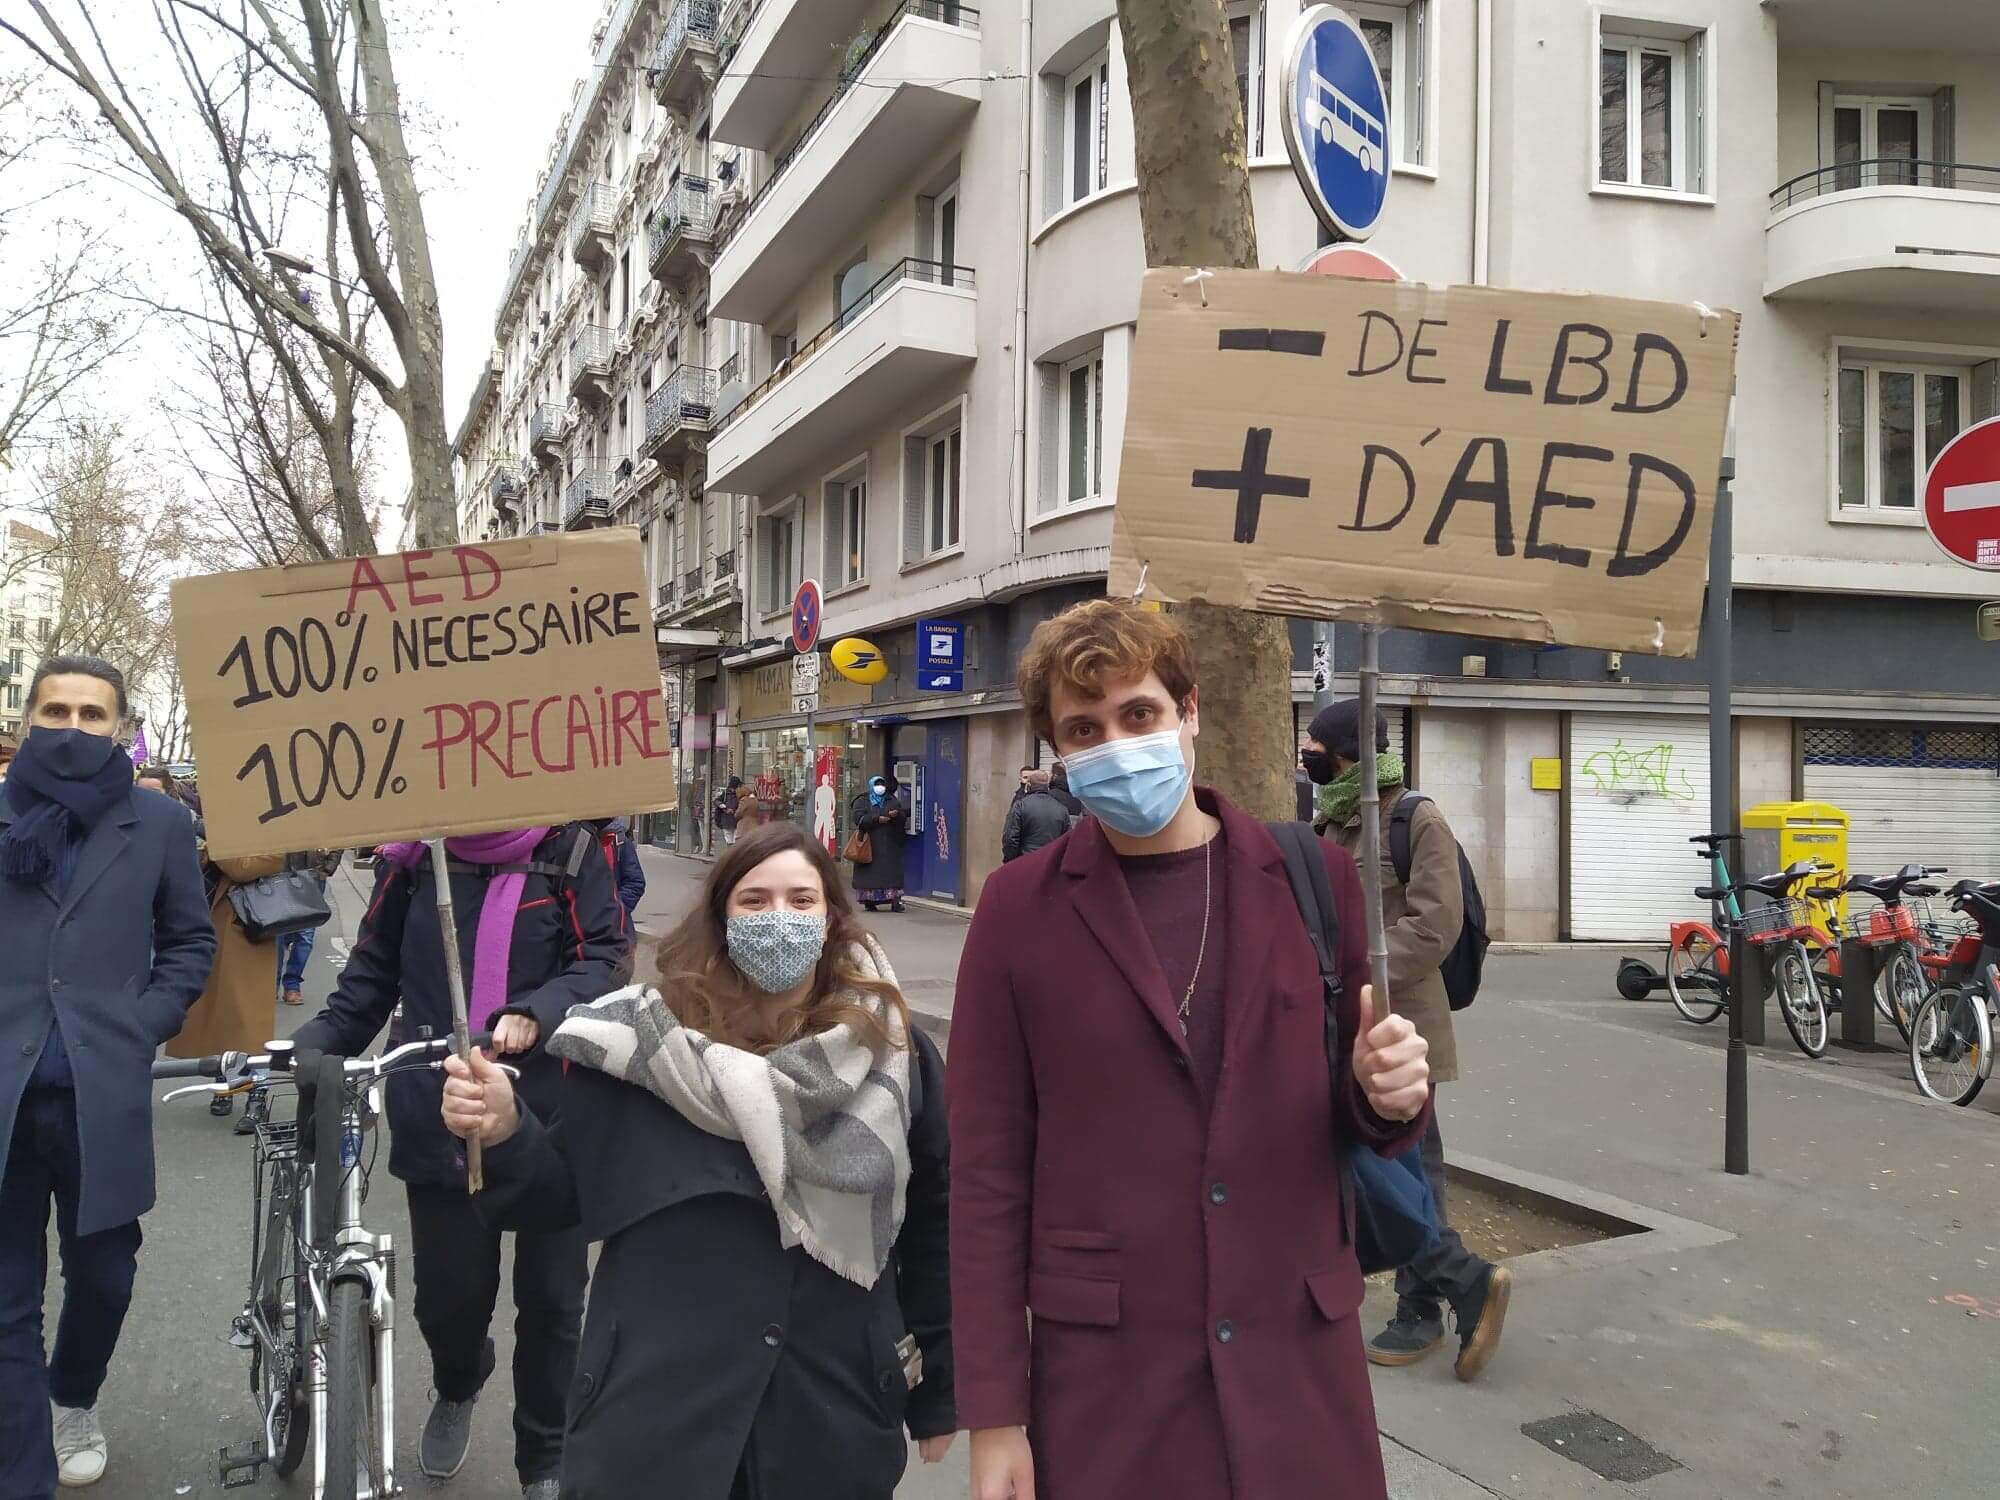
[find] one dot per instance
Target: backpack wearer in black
(1462, 965)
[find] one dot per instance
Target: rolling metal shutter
(1638, 791)
(1913, 793)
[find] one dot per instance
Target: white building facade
(897, 363)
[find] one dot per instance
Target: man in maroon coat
(1143, 1124)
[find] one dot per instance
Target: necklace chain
(1207, 907)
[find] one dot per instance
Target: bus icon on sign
(1339, 121)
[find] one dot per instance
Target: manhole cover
(1601, 1446)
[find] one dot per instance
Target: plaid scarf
(826, 1118)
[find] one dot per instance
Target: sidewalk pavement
(1827, 1325)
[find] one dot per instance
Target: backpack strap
(1399, 833)
(1305, 869)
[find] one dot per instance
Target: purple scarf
(490, 948)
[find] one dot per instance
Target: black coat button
(1180, 1062)
(27, 1049)
(774, 1335)
(55, 984)
(589, 1384)
(1218, 1194)
(1224, 1331)
(887, 1381)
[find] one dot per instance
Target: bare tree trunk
(1194, 207)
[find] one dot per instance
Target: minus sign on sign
(1982, 496)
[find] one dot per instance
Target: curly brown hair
(705, 991)
(1097, 642)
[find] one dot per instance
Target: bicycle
(1900, 984)
(1951, 1037)
(1698, 961)
(318, 1323)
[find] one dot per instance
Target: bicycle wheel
(1694, 977)
(350, 1395)
(1951, 1042)
(1901, 989)
(1799, 998)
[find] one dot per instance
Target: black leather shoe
(1408, 1338)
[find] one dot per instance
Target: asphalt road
(178, 1392)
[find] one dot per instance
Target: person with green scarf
(1422, 917)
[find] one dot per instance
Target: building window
(1246, 43)
(1891, 420)
(845, 519)
(1651, 112)
(933, 485)
(1086, 124)
(1399, 36)
(1878, 142)
(776, 544)
(1081, 391)
(14, 697)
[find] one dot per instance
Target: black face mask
(1319, 766)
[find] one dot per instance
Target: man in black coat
(108, 942)
(1036, 820)
(569, 940)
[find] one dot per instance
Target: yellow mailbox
(1778, 834)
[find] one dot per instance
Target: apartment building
(29, 603)
(899, 361)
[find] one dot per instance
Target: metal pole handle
(1371, 822)
(454, 973)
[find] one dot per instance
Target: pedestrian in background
(1154, 1292)
(749, 807)
(760, 1144)
(724, 820)
(1422, 919)
(295, 948)
(108, 942)
(880, 816)
(539, 930)
(234, 1012)
(1035, 821)
(1059, 789)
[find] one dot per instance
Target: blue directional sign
(941, 656)
(1337, 121)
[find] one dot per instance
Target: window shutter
(1985, 390)
(1825, 124)
(831, 574)
(1697, 113)
(913, 499)
(1049, 377)
(1944, 125)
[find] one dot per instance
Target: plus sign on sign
(1962, 496)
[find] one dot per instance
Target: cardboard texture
(1537, 466)
(473, 688)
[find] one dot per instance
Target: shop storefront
(812, 785)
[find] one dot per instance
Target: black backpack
(1461, 966)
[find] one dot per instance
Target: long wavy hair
(705, 990)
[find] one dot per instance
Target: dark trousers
(1447, 1272)
(456, 1260)
(44, 1163)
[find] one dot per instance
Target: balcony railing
(505, 484)
(686, 214)
(691, 24)
(691, 584)
(725, 563)
(1885, 171)
(909, 268)
(596, 215)
(930, 10)
(686, 401)
(590, 352)
(663, 596)
(545, 429)
(732, 369)
(588, 498)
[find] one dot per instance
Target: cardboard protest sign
(474, 688)
(1530, 465)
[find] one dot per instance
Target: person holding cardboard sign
(1155, 1290)
(541, 929)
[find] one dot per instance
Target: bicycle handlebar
(232, 1067)
(191, 1067)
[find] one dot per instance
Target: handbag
(277, 905)
(859, 849)
(1385, 1200)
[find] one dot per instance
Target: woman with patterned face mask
(760, 1145)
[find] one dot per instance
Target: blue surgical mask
(1133, 785)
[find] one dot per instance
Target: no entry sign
(1962, 496)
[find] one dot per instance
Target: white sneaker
(80, 1450)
